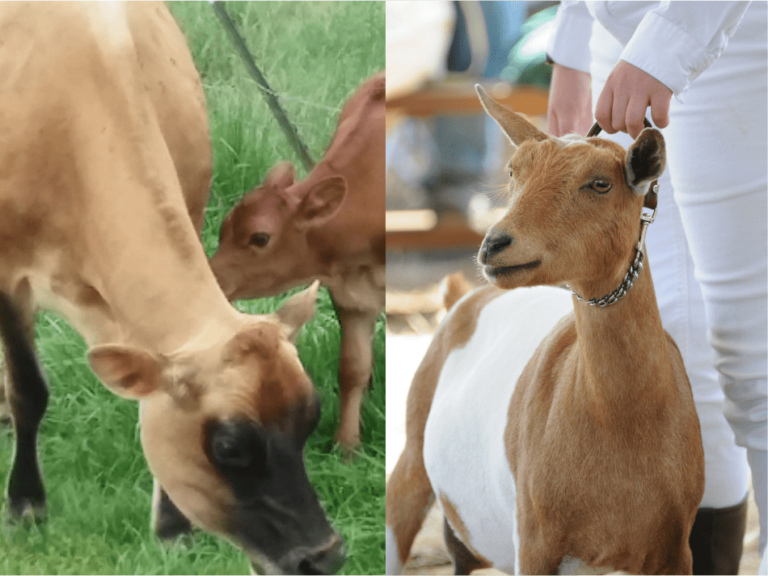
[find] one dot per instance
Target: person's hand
(570, 102)
(625, 97)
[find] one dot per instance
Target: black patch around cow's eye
(239, 445)
(228, 452)
(259, 239)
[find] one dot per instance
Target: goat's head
(575, 207)
(223, 426)
(263, 247)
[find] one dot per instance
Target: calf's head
(263, 247)
(575, 207)
(223, 426)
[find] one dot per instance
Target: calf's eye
(259, 239)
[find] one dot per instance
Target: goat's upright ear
(646, 160)
(516, 128)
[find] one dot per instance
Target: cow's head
(263, 248)
(223, 425)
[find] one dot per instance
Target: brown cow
(105, 148)
(330, 227)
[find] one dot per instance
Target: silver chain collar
(634, 269)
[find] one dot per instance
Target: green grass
(99, 489)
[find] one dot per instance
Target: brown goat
(557, 436)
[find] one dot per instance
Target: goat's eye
(259, 239)
(600, 186)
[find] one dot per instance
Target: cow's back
(71, 74)
(173, 85)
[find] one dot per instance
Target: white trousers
(707, 251)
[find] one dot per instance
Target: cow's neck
(624, 360)
(148, 279)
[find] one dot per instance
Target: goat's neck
(623, 350)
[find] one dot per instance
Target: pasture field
(99, 488)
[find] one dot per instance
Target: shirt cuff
(682, 60)
(569, 42)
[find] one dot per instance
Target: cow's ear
(298, 309)
(127, 371)
(322, 201)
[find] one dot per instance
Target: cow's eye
(229, 452)
(259, 239)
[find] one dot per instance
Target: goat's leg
(168, 523)
(355, 367)
(464, 561)
(409, 498)
(27, 397)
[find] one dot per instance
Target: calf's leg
(355, 366)
(27, 397)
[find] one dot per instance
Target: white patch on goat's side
(464, 451)
(393, 565)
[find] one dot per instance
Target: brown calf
(557, 437)
(330, 227)
(105, 153)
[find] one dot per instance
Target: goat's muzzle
(493, 244)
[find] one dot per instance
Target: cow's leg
(27, 397)
(5, 411)
(355, 367)
(168, 523)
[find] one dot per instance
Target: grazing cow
(330, 227)
(105, 153)
(559, 435)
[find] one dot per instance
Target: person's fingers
(660, 107)
(604, 109)
(633, 118)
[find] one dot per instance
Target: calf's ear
(322, 202)
(298, 309)
(127, 371)
(645, 160)
(280, 176)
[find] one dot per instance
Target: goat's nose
(494, 244)
(325, 559)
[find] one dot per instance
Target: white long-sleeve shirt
(672, 41)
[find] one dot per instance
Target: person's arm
(674, 43)
(570, 96)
